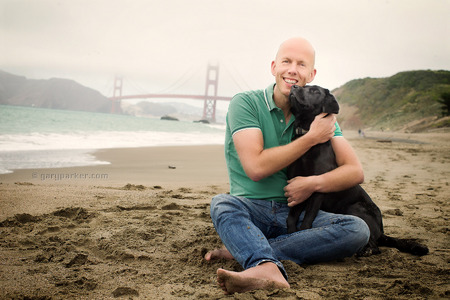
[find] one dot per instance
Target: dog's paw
(368, 251)
(419, 250)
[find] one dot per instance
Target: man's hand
(348, 173)
(299, 189)
(322, 128)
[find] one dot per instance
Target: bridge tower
(212, 83)
(117, 92)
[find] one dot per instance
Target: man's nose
(292, 69)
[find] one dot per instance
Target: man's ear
(312, 75)
(272, 68)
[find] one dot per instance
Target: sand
(139, 227)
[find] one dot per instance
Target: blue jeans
(254, 232)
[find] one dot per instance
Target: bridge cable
(138, 88)
(180, 82)
(241, 78)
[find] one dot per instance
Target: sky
(165, 46)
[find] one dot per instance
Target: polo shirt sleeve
(338, 131)
(242, 113)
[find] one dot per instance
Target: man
(251, 220)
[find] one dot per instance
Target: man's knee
(220, 204)
(360, 232)
(225, 206)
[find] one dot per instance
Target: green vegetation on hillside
(394, 102)
(445, 104)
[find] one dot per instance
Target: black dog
(306, 103)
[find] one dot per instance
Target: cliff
(53, 93)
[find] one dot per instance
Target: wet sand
(139, 227)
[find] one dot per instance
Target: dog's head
(309, 101)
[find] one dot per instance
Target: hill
(54, 93)
(406, 101)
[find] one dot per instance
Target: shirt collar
(270, 103)
(268, 97)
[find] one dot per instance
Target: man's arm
(348, 173)
(258, 163)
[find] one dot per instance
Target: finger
(331, 118)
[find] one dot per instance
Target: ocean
(33, 138)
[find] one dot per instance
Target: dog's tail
(404, 245)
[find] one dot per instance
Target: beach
(139, 226)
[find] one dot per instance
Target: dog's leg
(364, 208)
(404, 245)
(294, 214)
(311, 210)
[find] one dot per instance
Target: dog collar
(300, 131)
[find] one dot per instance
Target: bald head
(297, 44)
(293, 65)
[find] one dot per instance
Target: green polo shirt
(256, 110)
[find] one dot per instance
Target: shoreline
(106, 156)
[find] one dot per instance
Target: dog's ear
(331, 105)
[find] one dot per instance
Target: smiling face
(294, 64)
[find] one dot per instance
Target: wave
(105, 139)
(45, 138)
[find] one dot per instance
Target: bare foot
(218, 254)
(266, 276)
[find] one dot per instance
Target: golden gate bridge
(210, 97)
